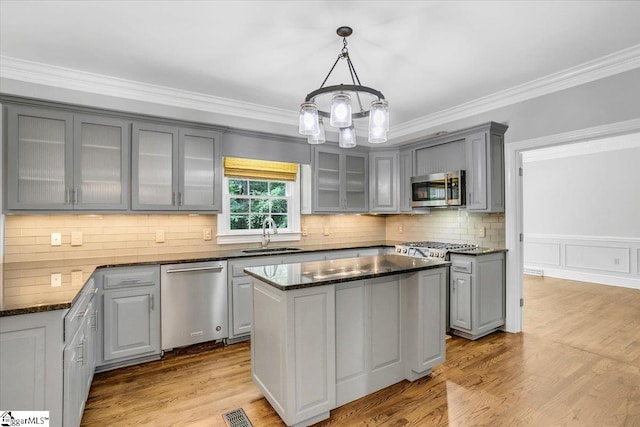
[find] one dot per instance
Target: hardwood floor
(577, 363)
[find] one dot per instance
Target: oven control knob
(404, 251)
(398, 250)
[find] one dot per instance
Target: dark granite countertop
(478, 251)
(302, 275)
(26, 286)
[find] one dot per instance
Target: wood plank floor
(576, 364)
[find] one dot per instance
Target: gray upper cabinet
(384, 187)
(101, 163)
(61, 161)
(175, 168)
(441, 158)
(485, 170)
(406, 172)
(340, 180)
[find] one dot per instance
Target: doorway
(514, 223)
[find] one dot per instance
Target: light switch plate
(482, 232)
(159, 236)
(56, 239)
(325, 231)
(76, 238)
(56, 280)
(76, 278)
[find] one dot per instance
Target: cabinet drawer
(462, 266)
(80, 309)
(127, 277)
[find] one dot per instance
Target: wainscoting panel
(605, 260)
(594, 257)
(542, 253)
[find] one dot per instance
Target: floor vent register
(237, 418)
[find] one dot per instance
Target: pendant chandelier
(341, 114)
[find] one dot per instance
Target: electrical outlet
(56, 280)
(482, 232)
(206, 234)
(400, 229)
(76, 238)
(56, 239)
(159, 236)
(305, 231)
(325, 230)
(616, 261)
(76, 279)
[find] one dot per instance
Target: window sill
(229, 239)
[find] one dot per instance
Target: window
(248, 201)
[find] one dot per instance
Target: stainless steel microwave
(438, 189)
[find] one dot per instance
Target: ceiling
(425, 56)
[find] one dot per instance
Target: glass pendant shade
(340, 110)
(379, 115)
(347, 137)
(318, 138)
(377, 135)
(308, 119)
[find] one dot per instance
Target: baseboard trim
(601, 279)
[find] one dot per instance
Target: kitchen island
(329, 332)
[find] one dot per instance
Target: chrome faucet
(266, 238)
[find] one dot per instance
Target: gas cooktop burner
(439, 245)
(431, 249)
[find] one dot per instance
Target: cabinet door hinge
(521, 237)
(521, 302)
(520, 171)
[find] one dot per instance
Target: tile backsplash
(28, 237)
(448, 225)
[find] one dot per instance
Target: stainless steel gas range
(436, 250)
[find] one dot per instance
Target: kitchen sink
(269, 250)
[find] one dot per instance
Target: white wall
(581, 207)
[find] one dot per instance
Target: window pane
(239, 205)
(281, 221)
(260, 205)
(237, 186)
(239, 222)
(256, 221)
(278, 189)
(258, 188)
(279, 206)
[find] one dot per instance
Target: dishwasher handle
(185, 270)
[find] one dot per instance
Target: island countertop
(317, 273)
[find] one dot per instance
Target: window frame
(227, 236)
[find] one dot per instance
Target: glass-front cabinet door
(356, 185)
(39, 159)
(200, 170)
(327, 182)
(101, 157)
(154, 167)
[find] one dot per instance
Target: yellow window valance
(236, 167)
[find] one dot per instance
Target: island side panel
(293, 350)
(267, 344)
(424, 321)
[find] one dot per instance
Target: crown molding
(606, 66)
(50, 75)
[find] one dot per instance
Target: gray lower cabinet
(340, 180)
(31, 363)
(131, 315)
(79, 354)
(175, 168)
(477, 298)
(58, 160)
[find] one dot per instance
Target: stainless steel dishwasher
(193, 302)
